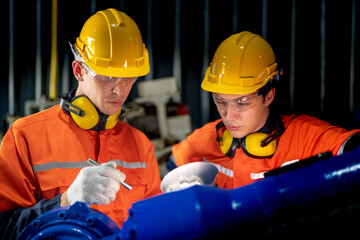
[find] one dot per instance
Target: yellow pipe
(54, 54)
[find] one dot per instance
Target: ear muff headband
(255, 145)
(86, 115)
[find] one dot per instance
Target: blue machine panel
(274, 206)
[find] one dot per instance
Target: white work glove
(195, 173)
(96, 184)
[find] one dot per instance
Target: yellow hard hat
(110, 43)
(242, 64)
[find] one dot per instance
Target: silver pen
(95, 163)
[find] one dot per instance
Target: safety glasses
(241, 104)
(109, 81)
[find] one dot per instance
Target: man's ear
(77, 69)
(270, 96)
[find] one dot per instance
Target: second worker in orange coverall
(250, 139)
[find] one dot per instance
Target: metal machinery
(313, 190)
(158, 92)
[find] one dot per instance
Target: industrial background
(316, 43)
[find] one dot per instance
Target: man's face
(107, 94)
(243, 114)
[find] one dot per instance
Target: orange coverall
(304, 137)
(41, 155)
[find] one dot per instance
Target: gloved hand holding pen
(96, 184)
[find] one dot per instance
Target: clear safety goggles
(109, 81)
(241, 104)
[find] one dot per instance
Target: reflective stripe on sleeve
(130, 165)
(223, 170)
(341, 149)
(255, 176)
(53, 165)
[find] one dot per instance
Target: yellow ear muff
(226, 141)
(228, 144)
(252, 145)
(89, 116)
(112, 120)
(256, 145)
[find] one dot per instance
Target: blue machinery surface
(279, 203)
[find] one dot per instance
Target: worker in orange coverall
(43, 157)
(249, 139)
